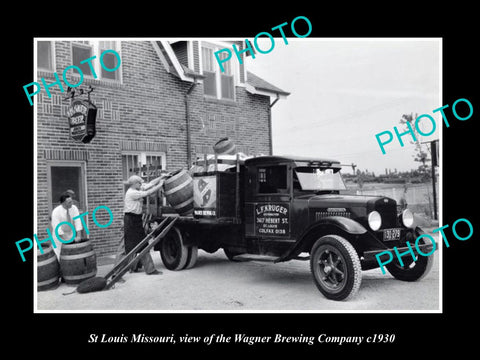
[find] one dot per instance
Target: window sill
(86, 79)
(48, 72)
(215, 100)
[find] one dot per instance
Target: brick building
(166, 103)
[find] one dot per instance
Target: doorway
(63, 176)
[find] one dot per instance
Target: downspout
(189, 140)
(270, 125)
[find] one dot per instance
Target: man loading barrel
(134, 232)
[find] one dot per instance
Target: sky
(345, 91)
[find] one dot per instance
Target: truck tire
(230, 254)
(173, 252)
(335, 267)
(192, 257)
(411, 270)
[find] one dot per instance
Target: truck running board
(253, 257)
(302, 258)
(265, 258)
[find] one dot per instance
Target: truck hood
(356, 207)
(339, 200)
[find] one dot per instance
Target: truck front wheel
(173, 252)
(411, 270)
(335, 267)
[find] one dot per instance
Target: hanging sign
(82, 115)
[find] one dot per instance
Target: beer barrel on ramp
(48, 269)
(78, 262)
(178, 190)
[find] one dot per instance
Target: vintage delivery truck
(280, 208)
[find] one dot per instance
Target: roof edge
(256, 85)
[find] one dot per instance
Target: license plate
(391, 234)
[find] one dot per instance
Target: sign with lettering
(81, 118)
(272, 220)
(205, 196)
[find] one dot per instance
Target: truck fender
(344, 224)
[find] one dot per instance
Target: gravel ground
(217, 284)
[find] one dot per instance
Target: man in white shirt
(65, 212)
(134, 232)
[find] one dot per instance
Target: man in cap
(134, 232)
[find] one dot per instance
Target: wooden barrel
(48, 269)
(225, 146)
(78, 262)
(178, 190)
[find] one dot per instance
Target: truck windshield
(317, 179)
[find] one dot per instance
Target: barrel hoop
(174, 177)
(225, 149)
(47, 250)
(47, 261)
(77, 245)
(77, 256)
(78, 277)
(176, 188)
(185, 203)
(47, 282)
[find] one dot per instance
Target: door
(63, 176)
(270, 209)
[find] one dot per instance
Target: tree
(360, 179)
(421, 150)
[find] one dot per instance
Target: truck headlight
(407, 218)
(374, 220)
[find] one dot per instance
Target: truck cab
(278, 193)
(281, 208)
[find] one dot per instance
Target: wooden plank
(135, 249)
(141, 254)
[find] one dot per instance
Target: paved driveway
(216, 284)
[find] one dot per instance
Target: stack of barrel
(48, 269)
(78, 262)
(178, 188)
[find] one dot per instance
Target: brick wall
(148, 106)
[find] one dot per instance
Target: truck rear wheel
(335, 267)
(173, 252)
(192, 257)
(230, 254)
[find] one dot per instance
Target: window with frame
(272, 179)
(216, 83)
(86, 49)
(146, 165)
(109, 60)
(139, 163)
(45, 55)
